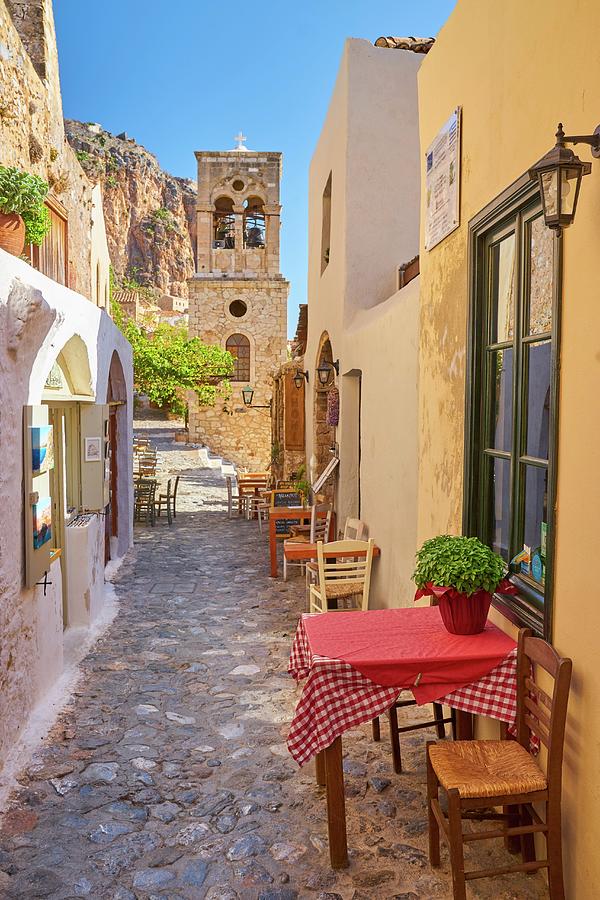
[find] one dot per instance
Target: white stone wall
(38, 317)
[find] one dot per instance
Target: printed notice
(442, 181)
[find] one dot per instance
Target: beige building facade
(363, 225)
(511, 99)
(238, 296)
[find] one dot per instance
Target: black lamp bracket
(592, 139)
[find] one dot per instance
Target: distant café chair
(145, 501)
(480, 775)
(318, 530)
(232, 498)
(169, 501)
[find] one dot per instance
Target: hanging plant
(23, 214)
(333, 407)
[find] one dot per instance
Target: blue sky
(186, 75)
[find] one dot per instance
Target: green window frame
(512, 392)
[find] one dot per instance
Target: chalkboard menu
(281, 499)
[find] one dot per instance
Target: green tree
(167, 364)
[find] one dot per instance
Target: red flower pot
(464, 615)
(12, 233)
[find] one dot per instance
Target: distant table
(400, 649)
(293, 514)
(250, 487)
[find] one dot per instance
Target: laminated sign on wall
(442, 182)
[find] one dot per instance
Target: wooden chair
(145, 501)
(345, 579)
(318, 530)
(356, 530)
(233, 498)
(169, 501)
(477, 775)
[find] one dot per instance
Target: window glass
(538, 399)
(502, 387)
(500, 471)
(503, 280)
(536, 515)
(239, 347)
(541, 255)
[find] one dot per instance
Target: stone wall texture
(239, 434)
(32, 135)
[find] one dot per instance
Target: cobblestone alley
(167, 776)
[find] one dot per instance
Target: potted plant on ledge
(23, 215)
(462, 574)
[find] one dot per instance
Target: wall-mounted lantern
(299, 378)
(325, 369)
(559, 175)
(247, 396)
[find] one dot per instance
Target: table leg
(320, 773)
(273, 546)
(464, 725)
(336, 806)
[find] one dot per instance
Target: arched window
(239, 347)
(254, 223)
(224, 224)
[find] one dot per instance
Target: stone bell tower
(238, 297)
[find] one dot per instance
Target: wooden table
(250, 487)
(303, 551)
(292, 513)
(354, 698)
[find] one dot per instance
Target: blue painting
(42, 522)
(42, 449)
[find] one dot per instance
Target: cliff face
(150, 215)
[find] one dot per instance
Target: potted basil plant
(23, 215)
(462, 574)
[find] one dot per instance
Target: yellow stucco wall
(517, 69)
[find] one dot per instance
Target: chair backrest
(319, 526)
(346, 566)
(229, 482)
(356, 530)
(144, 492)
(176, 485)
(538, 713)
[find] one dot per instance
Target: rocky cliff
(150, 215)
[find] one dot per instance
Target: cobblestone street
(167, 776)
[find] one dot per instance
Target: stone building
(65, 391)
(238, 296)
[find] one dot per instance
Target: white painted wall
(38, 316)
(369, 143)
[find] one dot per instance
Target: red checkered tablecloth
(336, 697)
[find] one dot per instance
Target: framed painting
(42, 449)
(42, 522)
(93, 449)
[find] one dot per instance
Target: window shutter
(293, 405)
(38, 459)
(94, 453)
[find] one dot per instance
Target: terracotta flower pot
(464, 615)
(12, 233)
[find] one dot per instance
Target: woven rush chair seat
(344, 589)
(486, 768)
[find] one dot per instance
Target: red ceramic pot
(465, 615)
(12, 233)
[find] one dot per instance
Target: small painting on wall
(93, 449)
(42, 522)
(42, 449)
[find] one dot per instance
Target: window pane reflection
(502, 408)
(535, 525)
(500, 506)
(541, 261)
(538, 400)
(503, 271)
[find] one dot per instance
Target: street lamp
(299, 378)
(325, 369)
(559, 173)
(248, 394)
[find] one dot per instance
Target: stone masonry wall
(230, 429)
(32, 135)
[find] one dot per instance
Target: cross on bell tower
(241, 140)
